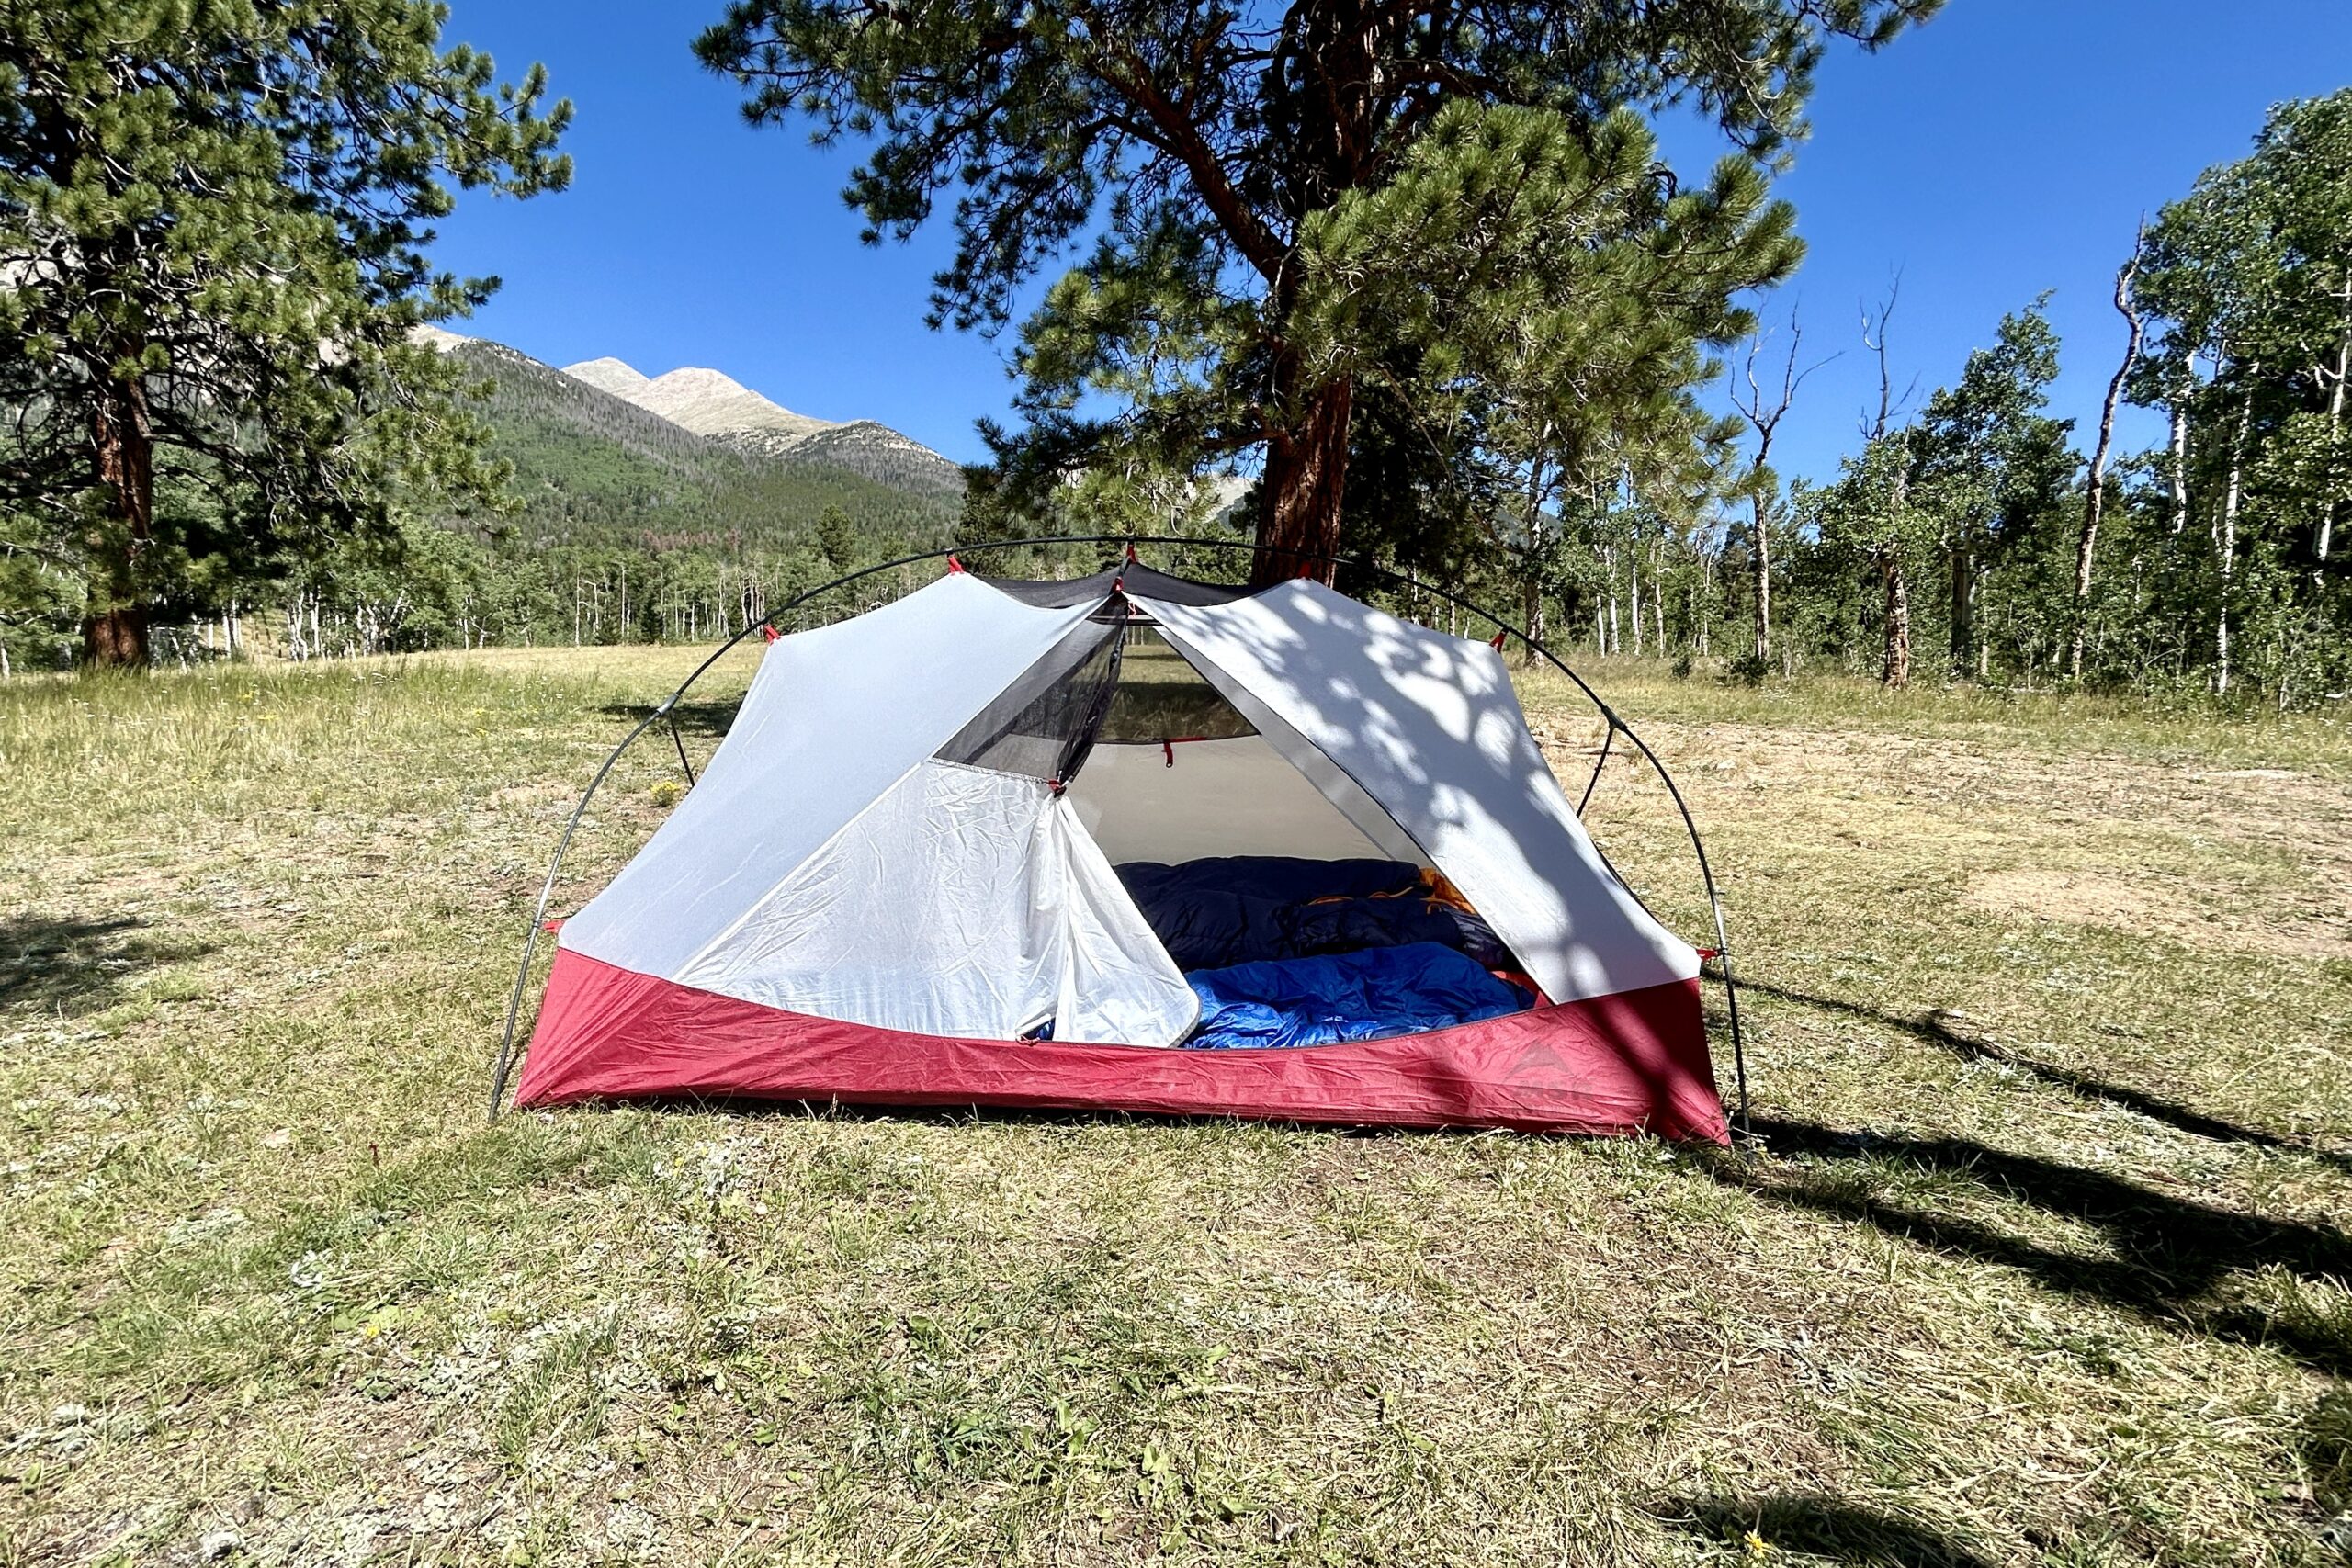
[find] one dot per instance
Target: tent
(951, 851)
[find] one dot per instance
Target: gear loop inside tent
(666, 711)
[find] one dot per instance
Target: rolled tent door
(965, 902)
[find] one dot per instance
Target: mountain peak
(715, 405)
(618, 377)
(710, 402)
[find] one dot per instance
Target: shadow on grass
(1820, 1527)
(711, 716)
(1949, 1030)
(2173, 1262)
(73, 965)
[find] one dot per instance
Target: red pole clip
(555, 924)
(1496, 642)
(954, 564)
(1707, 953)
(1131, 552)
(772, 633)
(1168, 748)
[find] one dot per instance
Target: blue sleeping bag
(1347, 996)
(1222, 910)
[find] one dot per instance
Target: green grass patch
(2037, 1255)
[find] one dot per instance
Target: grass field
(2037, 1255)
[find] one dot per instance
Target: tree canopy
(215, 220)
(1226, 164)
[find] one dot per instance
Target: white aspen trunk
(1657, 603)
(1634, 577)
(2095, 497)
(2226, 544)
(2179, 466)
(2335, 418)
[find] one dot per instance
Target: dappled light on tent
(1133, 842)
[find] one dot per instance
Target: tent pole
(1127, 542)
(1608, 738)
(665, 709)
(539, 914)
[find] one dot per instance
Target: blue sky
(2005, 149)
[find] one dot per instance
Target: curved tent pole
(539, 913)
(1128, 541)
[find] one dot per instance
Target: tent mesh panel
(1161, 697)
(1118, 686)
(1043, 723)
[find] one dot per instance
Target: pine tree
(214, 221)
(837, 540)
(1206, 144)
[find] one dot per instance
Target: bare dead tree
(1895, 673)
(2094, 502)
(1764, 419)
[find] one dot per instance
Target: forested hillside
(592, 468)
(618, 526)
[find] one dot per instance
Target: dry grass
(2037, 1259)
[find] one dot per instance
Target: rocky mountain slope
(716, 405)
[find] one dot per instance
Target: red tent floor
(1630, 1063)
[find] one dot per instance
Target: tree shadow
(1821, 1527)
(71, 966)
(711, 716)
(2171, 1261)
(1949, 1030)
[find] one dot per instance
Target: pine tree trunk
(114, 623)
(1307, 470)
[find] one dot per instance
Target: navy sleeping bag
(1222, 910)
(1348, 996)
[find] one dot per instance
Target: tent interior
(1294, 909)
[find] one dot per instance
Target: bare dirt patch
(2201, 915)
